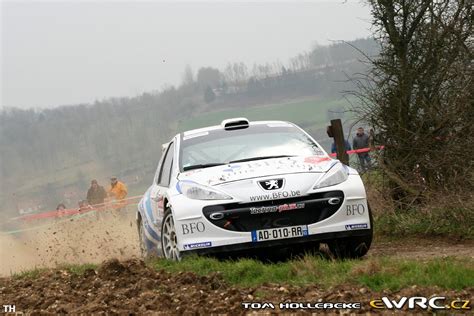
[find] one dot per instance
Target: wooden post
(338, 134)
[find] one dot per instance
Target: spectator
(118, 191)
(346, 144)
(360, 141)
(60, 209)
(96, 194)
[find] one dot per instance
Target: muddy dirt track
(131, 287)
(124, 284)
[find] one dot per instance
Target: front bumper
(281, 243)
(196, 233)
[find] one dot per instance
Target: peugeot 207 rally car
(244, 185)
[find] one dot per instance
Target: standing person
(96, 197)
(96, 194)
(118, 191)
(361, 140)
(60, 209)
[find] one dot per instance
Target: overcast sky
(58, 53)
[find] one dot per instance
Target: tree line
(123, 136)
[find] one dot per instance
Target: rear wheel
(142, 240)
(169, 240)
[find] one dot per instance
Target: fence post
(338, 134)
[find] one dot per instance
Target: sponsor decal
(161, 201)
(432, 303)
(355, 209)
(291, 206)
(276, 208)
(275, 195)
(302, 305)
(231, 168)
(316, 159)
(357, 226)
(198, 245)
(193, 228)
(263, 209)
(272, 184)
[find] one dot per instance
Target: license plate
(279, 233)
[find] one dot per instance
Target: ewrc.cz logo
(435, 302)
(198, 245)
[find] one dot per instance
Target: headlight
(337, 174)
(196, 191)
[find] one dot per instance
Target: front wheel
(353, 247)
(350, 247)
(169, 240)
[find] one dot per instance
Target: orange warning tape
(358, 151)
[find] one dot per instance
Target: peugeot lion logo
(273, 184)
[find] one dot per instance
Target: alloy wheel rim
(170, 242)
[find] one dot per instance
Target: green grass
(78, 269)
(29, 274)
(376, 274)
(309, 112)
(453, 222)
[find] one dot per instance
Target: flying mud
(90, 238)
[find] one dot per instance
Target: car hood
(258, 168)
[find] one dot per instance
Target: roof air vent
(235, 123)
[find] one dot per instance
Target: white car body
(272, 202)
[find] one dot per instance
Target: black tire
(169, 239)
(141, 239)
(352, 247)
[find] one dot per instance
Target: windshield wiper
(203, 165)
(259, 158)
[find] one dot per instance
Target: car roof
(198, 131)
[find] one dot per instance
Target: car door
(161, 184)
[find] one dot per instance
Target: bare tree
(419, 94)
(188, 76)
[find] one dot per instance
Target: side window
(160, 164)
(165, 172)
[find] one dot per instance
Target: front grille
(303, 210)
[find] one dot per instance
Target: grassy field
(307, 113)
(374, 273)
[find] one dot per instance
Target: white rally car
(243, 185)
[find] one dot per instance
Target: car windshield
(260, 141)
